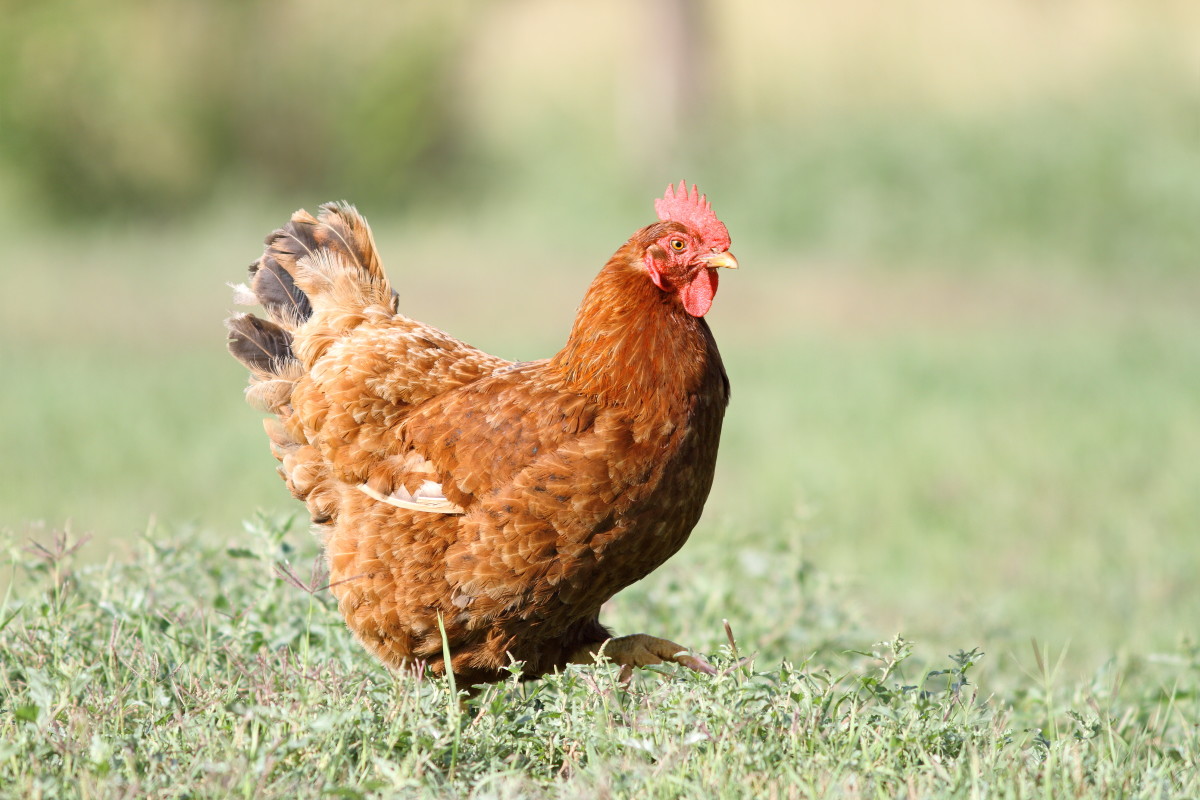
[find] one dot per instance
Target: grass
(178, 670)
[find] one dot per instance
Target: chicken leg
(640, 650)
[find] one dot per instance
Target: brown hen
(507, 500)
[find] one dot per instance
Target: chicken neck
(634, 345)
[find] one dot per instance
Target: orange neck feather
(633, 345)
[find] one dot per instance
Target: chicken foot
(640, 650)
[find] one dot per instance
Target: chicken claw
(641, 650)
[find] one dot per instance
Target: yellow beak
(723, 259)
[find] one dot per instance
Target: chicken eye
(677, 245)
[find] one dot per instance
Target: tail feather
(276, 290)
(263, 347)
(328, 262)
(270, 395)
(317, 276)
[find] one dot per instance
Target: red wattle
(698, 295)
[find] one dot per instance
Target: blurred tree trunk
(666, 103)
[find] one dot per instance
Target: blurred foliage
(139, 106)
(1014, 134)
(1106, 181)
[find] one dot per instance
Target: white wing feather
(428, 498)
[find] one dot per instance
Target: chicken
(502, 502)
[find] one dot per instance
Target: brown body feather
(561, 481)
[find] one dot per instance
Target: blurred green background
(965, 344)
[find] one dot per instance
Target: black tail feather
(264, 347)
(321, 252)
(276, 289)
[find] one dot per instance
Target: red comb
(693, 210)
